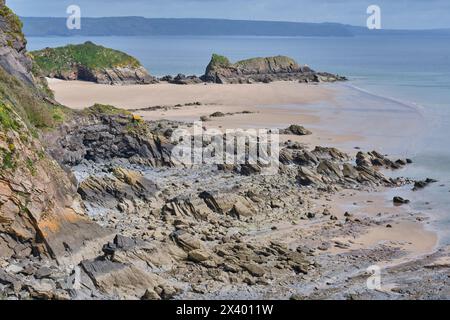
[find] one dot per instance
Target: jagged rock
(330, 169)
(150, 294)
(374, 158)
(350, 171)
(330, 154)
(104, 133)
(43, 272)
(400, 201)
(11, 280)
(198, 255)
(254, 269)
(243, 208)
(229, 204)
(187, 241)
(307, 177)
(186, 207)
(296, 130)
(423, 184)
(184, 80)
(128, 282)
(43, 289)
(286, 156)
(249, 169)
(120, 191)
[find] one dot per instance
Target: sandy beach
(79, 94)
(271, 106)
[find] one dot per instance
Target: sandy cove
(269, 106)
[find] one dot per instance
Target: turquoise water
(415, 71)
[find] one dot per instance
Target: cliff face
(39, 208)
(221, 70)
(90, 62)
(13, 57)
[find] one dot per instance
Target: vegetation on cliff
(29, 104)
(91, 62)
(13, 25)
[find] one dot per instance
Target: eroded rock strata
(279, 68)
(94, 207)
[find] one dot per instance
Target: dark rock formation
(104, 133)
(296, 130)
(182, 79)
(221, 70)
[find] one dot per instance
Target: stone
(400, 201)
(150, 294)
(187, 241)
(297, 130)
(42, 289)
(43, 272)
(254, 269)
(421, 184)
(198, 256)
(129, 282)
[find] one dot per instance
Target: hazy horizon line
(227, 19)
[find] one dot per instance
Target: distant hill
(138, 26)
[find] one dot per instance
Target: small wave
(420, 109)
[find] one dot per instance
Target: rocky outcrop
(279, 68)
(103, 133)
(13, 56)
(296, 130)
(113, 76)
(182, 79)
(90, 62)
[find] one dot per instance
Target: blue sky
(396, 14)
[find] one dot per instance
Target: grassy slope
(29, 104)
(89, 55)
(14, 30)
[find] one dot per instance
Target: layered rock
(104, 133)
(40, 211)
(13, 57)
(90, 62)
(221, 70)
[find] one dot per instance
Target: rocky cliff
(40, 213)
(279, 68)
(90, 62)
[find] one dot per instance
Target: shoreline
(295, 107)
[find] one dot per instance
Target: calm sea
(414, 70)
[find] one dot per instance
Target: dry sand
(271, 107)
(79, 94)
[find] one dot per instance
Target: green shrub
(88, 55)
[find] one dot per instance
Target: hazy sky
(412, 14)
